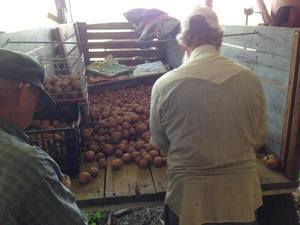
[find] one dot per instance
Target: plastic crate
(61, 68)
(62, 144)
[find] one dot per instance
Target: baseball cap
(210, 16)
(23, 68)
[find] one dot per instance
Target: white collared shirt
(209, 116)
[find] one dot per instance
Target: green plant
(94, 217)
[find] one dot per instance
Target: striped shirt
(31, 188)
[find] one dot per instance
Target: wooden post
(264, 12)
(293, 153)
(81, 34)
(209, 3)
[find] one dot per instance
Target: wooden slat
(140, 180)
(277, 41)
(272, 180)
(112, 35)
(128, 181)
(160, 178)
(81, 34)
(121, 44)
(116, 25)
(129, 62)
(125, 53)
(117, 183)
(293, 157)
(93, 190)
(268, 65)
(67, 31)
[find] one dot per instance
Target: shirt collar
(202, 52)
(13, 130)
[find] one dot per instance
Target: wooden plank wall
(69, 52)
(34, 50)
(116, 39)
(269, 54)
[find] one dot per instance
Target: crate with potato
(57, 132)
(67, 88)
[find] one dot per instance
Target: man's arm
(51, 203)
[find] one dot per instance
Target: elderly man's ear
(184, 48)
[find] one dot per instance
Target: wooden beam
(293, 155)
(121, 44)
(111, 35)
(209, 3)
(264, 12)
(82, 37)
(146, 53)
(129, 62)
(109, 26)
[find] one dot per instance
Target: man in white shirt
(209, 116)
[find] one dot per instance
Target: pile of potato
(63, 87)
(48, 124)
(119, 127)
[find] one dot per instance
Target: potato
(36, 124)
(122, 146)
(102, 163)
(140, 128)
(271, 161)
(158, 161)
(94, 171)
(125, 133)
(100, 155)
(131, 149)
(116, 164)
(126, 158)
(139, 144)
(84, 178)
(89, 156)
(138, 159)
(149, 147)
(119, 128)
(116, 137)
(119, 153)
(95, 148)
(126, 125)
(143, 164)
(146, 136)
(86, 133)
(76, 85)
(132, 131)
(135, 154)
(148, 158)
(108, 149)
(94, 114)
(154, 153)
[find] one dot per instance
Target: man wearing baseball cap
(32, 190)
(209, 116)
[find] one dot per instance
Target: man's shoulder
(168, 78)
(24, 157)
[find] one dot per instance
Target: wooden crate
(117, 39)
